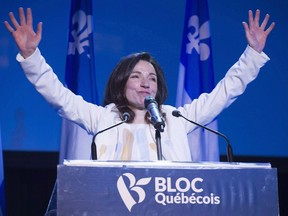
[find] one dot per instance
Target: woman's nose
(145, 83)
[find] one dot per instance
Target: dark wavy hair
(115, 88)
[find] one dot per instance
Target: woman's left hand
(256, 34)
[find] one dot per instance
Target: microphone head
(176, 113)
(148, 100)
(126, 116)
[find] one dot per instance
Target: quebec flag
(79, 78)
(196, 75)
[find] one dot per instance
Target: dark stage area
(30, 177)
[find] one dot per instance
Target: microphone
(126, 117)
(152, 106)
(177, 113)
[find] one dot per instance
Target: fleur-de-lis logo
(125, 192)
(195, 38)
(82, 28)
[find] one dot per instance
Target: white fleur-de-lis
(195, 39)
(80, 33)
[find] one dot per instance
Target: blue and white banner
(196, 75)
(79, 77)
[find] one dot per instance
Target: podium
(166, 188)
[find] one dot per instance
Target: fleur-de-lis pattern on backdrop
(80, 77)
(82, 28)
(197, 36)
(196, 75)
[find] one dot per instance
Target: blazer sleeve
(65, 102)
(209, 105)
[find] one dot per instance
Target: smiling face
(141, 83)
(133, 78)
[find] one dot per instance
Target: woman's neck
(139, 116)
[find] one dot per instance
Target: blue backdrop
(256, 123)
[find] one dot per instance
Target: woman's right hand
(25, 38)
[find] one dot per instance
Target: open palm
(24, 35)
(256, 34)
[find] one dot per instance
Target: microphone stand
(126, 117)
(229, 147)
(158, 144)
(93, 145)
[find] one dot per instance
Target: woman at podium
(135, 96)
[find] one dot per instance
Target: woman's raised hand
(23, 33)
(257, 34)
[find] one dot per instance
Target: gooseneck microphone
(177, 113)
(126, 117)
(152, 107)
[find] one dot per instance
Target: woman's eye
(134, 76)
